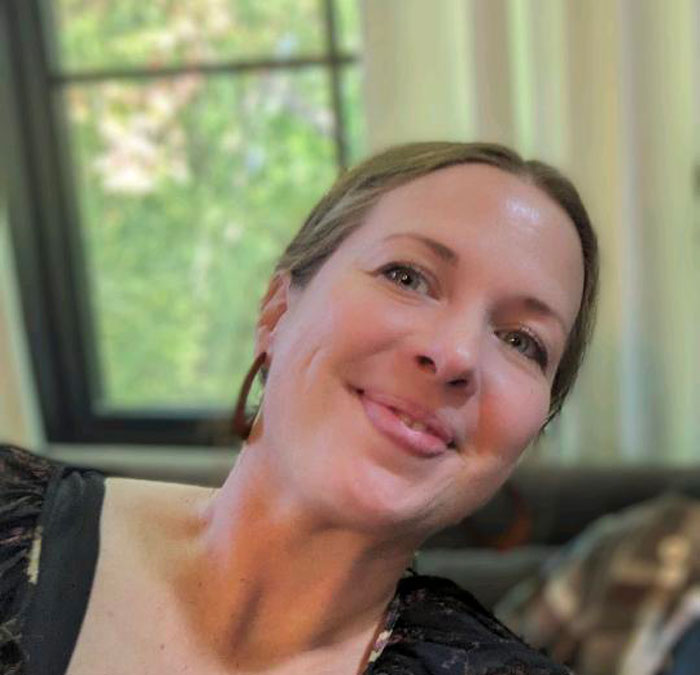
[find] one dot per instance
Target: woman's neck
(267, 578)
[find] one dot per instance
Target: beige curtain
(608, 90)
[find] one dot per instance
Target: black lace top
(49, 542)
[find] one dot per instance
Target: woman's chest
(137, 622)
(125, 645)
(134, 628)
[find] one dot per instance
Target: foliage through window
(196, 136)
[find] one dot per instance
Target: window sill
(198, 466)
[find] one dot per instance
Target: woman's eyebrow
(444, 252)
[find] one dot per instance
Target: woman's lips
(388, 422)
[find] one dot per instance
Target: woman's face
(408, 376)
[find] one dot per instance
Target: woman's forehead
(468, 191)
(480, 215)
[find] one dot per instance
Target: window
(164, 153)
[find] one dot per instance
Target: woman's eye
(526, 344)
(407, 276)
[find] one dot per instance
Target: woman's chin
(379, 501)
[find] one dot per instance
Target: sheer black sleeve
(24, 480)
(443, 630)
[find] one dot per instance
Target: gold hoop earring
(241, 425)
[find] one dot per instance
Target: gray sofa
(538, 511)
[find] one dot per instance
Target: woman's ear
(273, 306)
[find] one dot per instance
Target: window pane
(348, 20)
(96, 34)
(353, 113)
(189, 189)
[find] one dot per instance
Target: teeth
(412, 424)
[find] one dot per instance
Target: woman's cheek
(512, 413)
(367, 319)
(533, 413)
(328, 333)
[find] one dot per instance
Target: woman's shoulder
(48, 513)
(26, 484)
(441, 628)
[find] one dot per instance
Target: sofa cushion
(485, 573)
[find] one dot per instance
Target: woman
(420, 330)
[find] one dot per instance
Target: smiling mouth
(399, 427)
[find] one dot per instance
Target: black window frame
(45, 221)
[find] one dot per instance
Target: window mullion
(335, 84)
(222, 68)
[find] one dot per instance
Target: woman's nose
(452, 359)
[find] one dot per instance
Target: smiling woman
(419, 331)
